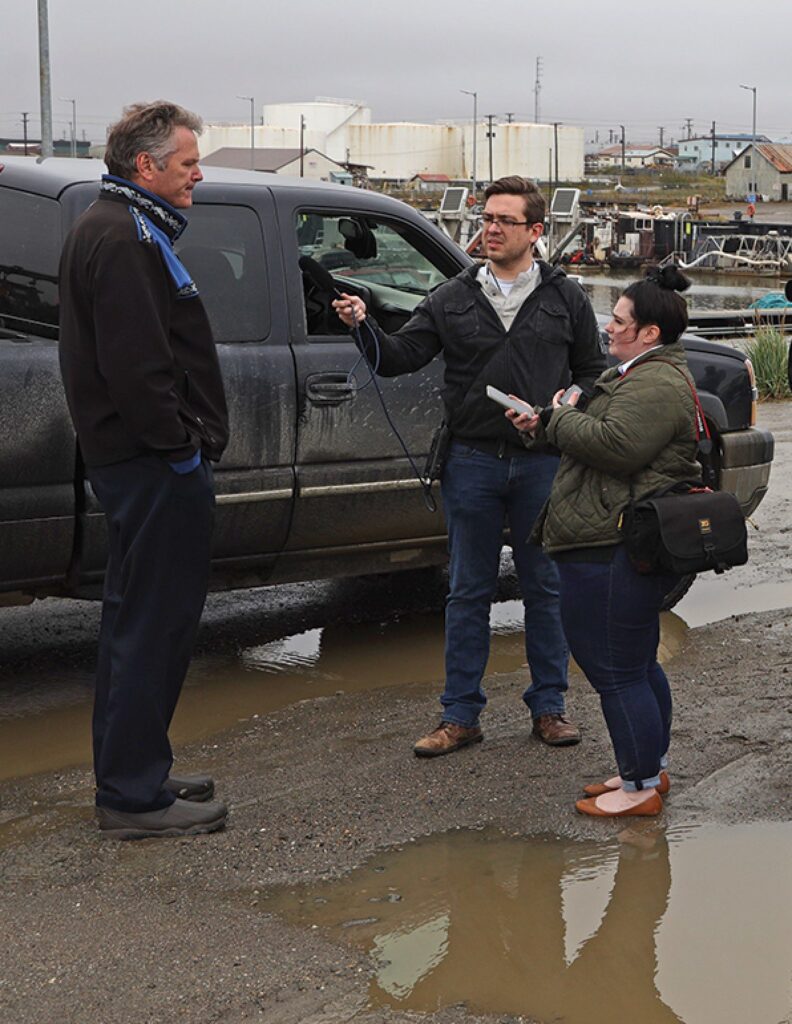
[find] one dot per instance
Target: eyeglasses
(502, 222)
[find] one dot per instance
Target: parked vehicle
(313, 483)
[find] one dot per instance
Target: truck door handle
(329, 388)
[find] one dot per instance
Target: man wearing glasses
(522, 326)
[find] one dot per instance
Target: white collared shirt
(624, 367)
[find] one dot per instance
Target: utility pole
(474, 170)
(712, 136)
(73, 125)
(661, 129)
(45, 92)
(555, 148)
(490, 136)
(537, 89)
(74, 129)
(509, 118)
(549, 179)
(252, 102)
(689, 127)
(302, 143)
(25, 116)
(623, 149)
(754, 183)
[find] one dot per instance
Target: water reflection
(708, 291)
(587, 933)
(222, 690)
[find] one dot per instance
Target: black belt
(596, 555)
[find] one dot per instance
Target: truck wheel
(675, 595)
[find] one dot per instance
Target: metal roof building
(772, 175)
(276, 161)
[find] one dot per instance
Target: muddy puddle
(692, 926)
(713, 598)
(221, 691)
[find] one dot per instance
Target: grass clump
(768, 350)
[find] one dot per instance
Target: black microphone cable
(426, 488)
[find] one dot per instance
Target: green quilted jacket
(637, 431)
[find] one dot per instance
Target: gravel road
(156, 931)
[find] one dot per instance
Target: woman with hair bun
(636, 435)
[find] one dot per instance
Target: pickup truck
(313, 483)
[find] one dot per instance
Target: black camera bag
(685, 529)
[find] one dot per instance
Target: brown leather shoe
(648, 808)
(447, 738)
(556, 731)
(598, 788)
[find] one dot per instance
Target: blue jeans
(481, 493)
(611, 618)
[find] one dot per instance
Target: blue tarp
(773, 300)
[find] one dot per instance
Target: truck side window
(389, 263)
(224, 252)
(30, 241)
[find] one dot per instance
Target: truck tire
(675, 595)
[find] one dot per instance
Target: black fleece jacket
(137, 357)
(553, 341)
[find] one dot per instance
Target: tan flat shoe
(648, 808)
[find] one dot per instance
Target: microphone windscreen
(318, 275)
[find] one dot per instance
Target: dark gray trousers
(159, 533)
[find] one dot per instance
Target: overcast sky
(604, 63)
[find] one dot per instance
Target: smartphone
(509, 403)
(571, 391)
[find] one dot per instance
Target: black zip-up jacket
(138, 361)
(553, 341)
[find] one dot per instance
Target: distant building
(635, 156)
(315, 165)
(342, 131)
(60, 147)
(772, 174)
(697, 153)
(428, 183)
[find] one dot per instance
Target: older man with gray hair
(146, 397)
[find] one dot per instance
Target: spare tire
(675, 595)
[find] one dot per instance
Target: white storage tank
(526, 149)
(400, 150)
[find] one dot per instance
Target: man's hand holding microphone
(350, 308)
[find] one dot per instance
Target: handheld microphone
(318, 275)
